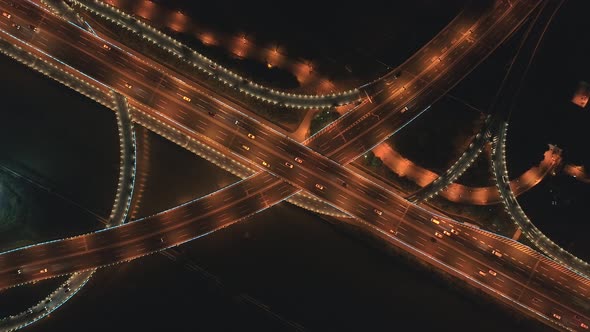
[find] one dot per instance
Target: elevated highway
(358, 198)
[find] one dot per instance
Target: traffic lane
(338, 139)
(510, 255)
(431, 71)
(365, 217)
(130, 249)
(445, 251)
(440, 45)
(154, 227)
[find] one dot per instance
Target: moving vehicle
(481, 273)
(492, 272)
(128, 86)
(319, 186)
(43, 271)
(454, 231)
(288, 165)
(297, 159)
(245, 147)
(211, 114)
(185, 98)
(434, 220)
(438, 235)
(556, 316)
(447, 233)
(405, 109)
(497, 253)
(251, 136)
(379, 212)
(106, 47)
(264, 163)
(34, 28)
(7, 15)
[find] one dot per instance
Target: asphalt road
(164, 99)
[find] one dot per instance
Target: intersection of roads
(284, 167)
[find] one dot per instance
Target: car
(497, 253)
(438, 235)
(584, 326)
(264, 163)
(447, 233)
(250, 136)
(212, 66)
(481, 273)
(47, 300)
(556, 316)
(30, 311)
(288, 165)
(162, 239)
(434, 220)
(319, 186)
(6, 14)
(378, 212)
(106, 47)
(43, 271)
(14, 25)
(344, 184)
(187, 99)
(128, 86)
(67, 290)
(245, 147)
(211, 114)
(492, 272)
(297, 159)
(405, 109)
(34, 28)
(19, 271)
(454, 231)
(397, 74)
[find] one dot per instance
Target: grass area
(438, 137)
(479, 174)
(10, 203)
(322, 119)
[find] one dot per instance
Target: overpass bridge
(176, 117)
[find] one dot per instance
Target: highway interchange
(192, 109)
